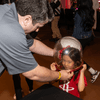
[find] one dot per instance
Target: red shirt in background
(66, 4)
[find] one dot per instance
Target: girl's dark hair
(85, 10)
(76, 56)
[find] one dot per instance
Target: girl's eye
(64, 60)
(69, 61)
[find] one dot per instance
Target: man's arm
(40, 48)
(43, 74)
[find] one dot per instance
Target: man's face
(27, 24)
(35, 27)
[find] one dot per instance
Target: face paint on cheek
(72, 66)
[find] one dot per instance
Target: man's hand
(66, 74)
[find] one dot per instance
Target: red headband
(60, 52)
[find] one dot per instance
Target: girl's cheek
(72, 66)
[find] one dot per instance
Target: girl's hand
(52, 66)
(84, 68)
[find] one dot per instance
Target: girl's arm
(52, 66)
(81, 83)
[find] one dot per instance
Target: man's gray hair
(40, 10)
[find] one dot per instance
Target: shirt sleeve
(29, 40)
(77, 80)
(15, 52)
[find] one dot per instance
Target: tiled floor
(91, 56)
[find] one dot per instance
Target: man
(15, 22)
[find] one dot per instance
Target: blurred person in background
(83, 23)
(56, 6)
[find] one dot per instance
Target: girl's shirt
(72, 85)
(79, 32)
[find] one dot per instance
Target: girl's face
(67, 62)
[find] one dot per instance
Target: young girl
(70, 58)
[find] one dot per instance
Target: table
(49, 92)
